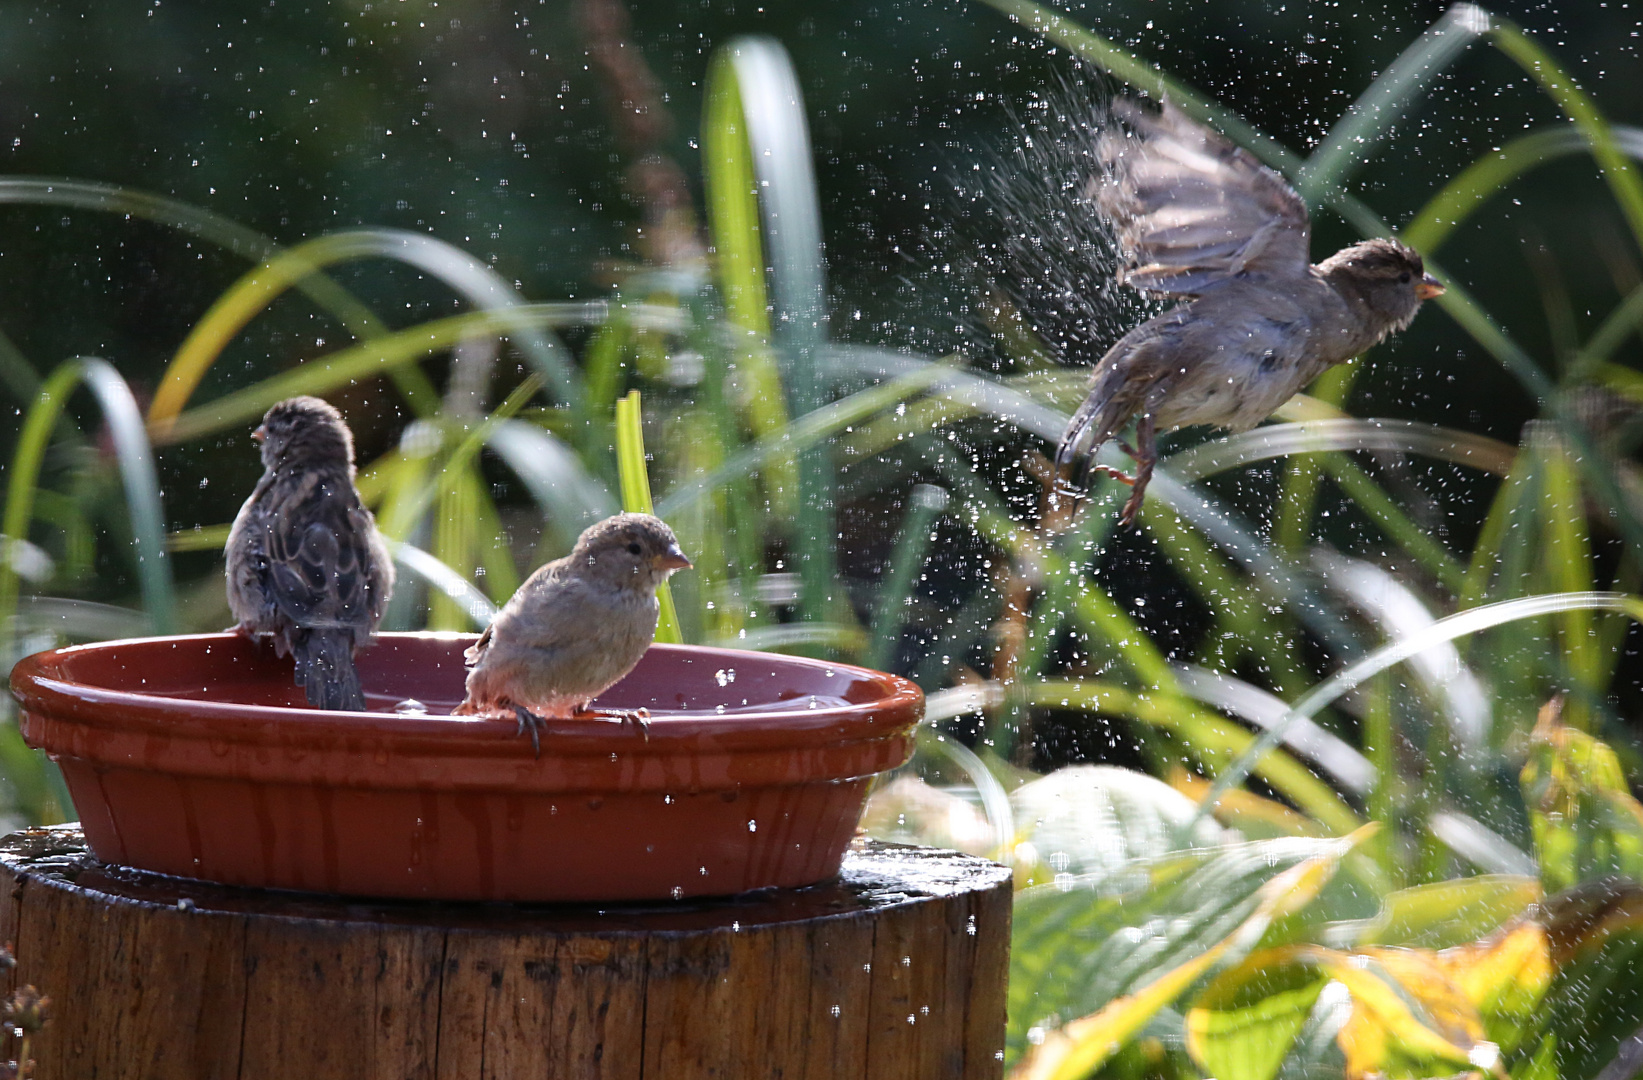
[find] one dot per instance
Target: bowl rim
(41, 688)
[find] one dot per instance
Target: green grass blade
(1388, 513)
(363, 361)
(142, 488)
(402, 517)
(569, 497)
(926, 503)
(136, 464)
(1622, 178)
(1625, 318)
(778, 139)
(1333, 436)
(468, 599)
(806, 431)
(1490, 174)
(1388, 98)
(1395, 652)
(463, 273)
(630, 463)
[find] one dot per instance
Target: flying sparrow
(305, 562)
(575, 627)
(1197, 218)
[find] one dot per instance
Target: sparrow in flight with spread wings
(1197, 219)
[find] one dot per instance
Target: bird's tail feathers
(325, 670)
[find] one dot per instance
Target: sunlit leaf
(1092, 961)
(1505, 977)
(1409, 1019)
(1586, 822)
(1451, 913)
(1245, 1022)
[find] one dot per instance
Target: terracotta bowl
(197, 756)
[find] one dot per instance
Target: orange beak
(260, 434)
(1429, 288)
(674, 559)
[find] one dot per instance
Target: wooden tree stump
(896, 969)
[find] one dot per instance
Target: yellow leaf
(1407, 1015)
(1504, 977)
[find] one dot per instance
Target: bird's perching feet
(1145, 453)
(639, 718)
(532, 724)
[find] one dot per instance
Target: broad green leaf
(635, 481)
(1113, 958)
(1096, 820)
(1586, 823)
(1245, 1023)
(1444, 914)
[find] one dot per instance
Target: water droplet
(752, 825)
(678, 892)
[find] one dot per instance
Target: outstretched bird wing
(1191, 210)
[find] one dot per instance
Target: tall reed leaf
(136, 462)
(472, 279)
(635, 476)
(1455, 626)
(777, 136)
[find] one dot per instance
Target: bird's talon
(530, 723)
(640, 718)
(1122, 477)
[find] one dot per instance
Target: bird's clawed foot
(1146, 456)
(1117, 474)
(530, 723)
(639, 718)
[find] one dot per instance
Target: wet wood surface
(895, 969)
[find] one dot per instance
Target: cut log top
(896, 968)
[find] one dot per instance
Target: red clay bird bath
(196, 756)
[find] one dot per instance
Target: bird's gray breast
(1238, 364)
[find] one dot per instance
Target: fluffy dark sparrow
(1197, 218)
(305, 562)
(575, 627)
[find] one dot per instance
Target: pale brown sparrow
(575, 627)
(1197, 218)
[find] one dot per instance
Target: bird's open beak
(674, 559)
(260, 434)
(1429, 288)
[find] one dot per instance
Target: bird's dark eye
(1404, 277)
(634, 549)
